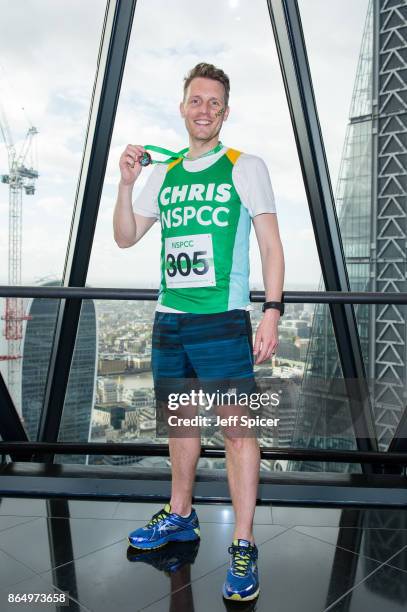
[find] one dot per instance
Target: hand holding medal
(129, 164)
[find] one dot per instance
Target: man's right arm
(128, 226)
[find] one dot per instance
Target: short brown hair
(208, 71)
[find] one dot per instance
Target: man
(202, 324)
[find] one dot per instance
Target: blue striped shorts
(215, 348)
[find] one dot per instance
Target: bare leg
(184, 453)
(243, 465)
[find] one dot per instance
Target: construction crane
(21, 176)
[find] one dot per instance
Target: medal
(146, 159)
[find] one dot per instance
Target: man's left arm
(272, 260)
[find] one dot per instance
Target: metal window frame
(11, 427)
(286, 23)
(110, 66)
(138, 449)
(291, 49)
(394, 463)
(399, 443)
(129, 482)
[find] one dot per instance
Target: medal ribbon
(173, 155)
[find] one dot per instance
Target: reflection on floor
(310, 559)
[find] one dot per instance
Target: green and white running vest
(205, 239)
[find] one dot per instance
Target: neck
(199, 147)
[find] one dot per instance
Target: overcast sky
(48, 52)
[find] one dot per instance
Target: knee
(232, 443)
(236, 444)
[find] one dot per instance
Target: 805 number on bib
(189, 261)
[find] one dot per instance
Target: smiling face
(203, 109)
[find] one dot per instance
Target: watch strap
(277, 305)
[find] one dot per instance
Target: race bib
(189, 261)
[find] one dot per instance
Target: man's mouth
(202, 122)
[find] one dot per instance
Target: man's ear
(181, 109)
(226, 113)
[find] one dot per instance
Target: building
(36, 350)
(372, 207)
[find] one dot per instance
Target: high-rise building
(372, 208)
(36, 351)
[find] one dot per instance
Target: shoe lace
(240, 560)
(158, 516)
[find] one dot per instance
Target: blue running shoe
(242, 580)
(165, 526)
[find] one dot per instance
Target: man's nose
(206, 108)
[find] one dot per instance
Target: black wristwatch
(277, 305)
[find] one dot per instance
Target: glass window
(238, 38)
(48, 53)
(148, 114)
(363, 43)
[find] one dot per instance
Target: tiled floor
(310, 559)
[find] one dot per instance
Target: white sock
(183, 515)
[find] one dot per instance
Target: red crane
(21, 176)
